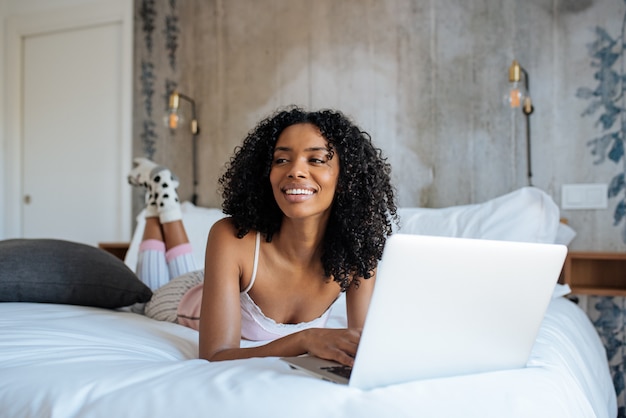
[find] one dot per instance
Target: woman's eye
(317, 161)
(280, 160)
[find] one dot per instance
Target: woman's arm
(220, 319)
(358, 302)
(220, 315)
(332, 344)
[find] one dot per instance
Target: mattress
(75, 361)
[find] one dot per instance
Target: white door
(72, 138)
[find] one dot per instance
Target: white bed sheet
(71, 361)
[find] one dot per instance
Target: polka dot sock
(165, 197)
(160, 183)
(141, 174)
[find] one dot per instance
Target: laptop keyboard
(343, 371)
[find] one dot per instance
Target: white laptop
(446, 307)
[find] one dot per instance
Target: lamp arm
(195, 129)
(189, 99)
(527, 108)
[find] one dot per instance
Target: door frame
(19, 27)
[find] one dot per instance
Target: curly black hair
(363, 207)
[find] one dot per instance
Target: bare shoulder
(224, 229)
(223, 234)
(226, 254)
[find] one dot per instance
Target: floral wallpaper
(608, 315)
(150, 16)
(608, 103)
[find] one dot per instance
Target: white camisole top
(255, 326)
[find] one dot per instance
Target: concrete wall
(425, 78)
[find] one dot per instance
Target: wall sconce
(173, 120)
(519, 96)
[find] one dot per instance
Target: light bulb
(515, 96)
(173, 119)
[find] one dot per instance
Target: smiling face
(303, 175)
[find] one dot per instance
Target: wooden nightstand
(118, 249)
(595, 273)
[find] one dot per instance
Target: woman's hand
(339, 345)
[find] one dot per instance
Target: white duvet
(71, 361)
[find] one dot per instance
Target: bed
(71, 360)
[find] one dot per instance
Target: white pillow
(564, 234)
(527, 214)
(198, 222)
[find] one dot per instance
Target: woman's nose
(298, 170)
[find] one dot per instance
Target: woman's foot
(163, 188)
(161, 196)
(141, 174)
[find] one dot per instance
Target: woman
(311, 205)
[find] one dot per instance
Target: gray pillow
(57, 271)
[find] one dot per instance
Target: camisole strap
(255, 264)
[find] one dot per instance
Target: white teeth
(298, 191)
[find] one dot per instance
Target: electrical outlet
(584, 196)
